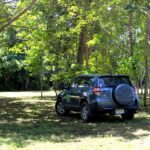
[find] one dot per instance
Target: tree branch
(18, 16)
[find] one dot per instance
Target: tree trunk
(131, 47)
(55, 88)
(41, 84)
(83, 50)
(82, 46)
(6, 83)
(130, 34)
(26, 84)
(146, 60)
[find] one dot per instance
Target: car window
(74, 83)
(82, 82)
(113, 81)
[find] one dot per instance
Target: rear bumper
(96, 109)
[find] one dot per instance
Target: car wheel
(85, 112)
(60, 110)
(123, 94)
(128, 116)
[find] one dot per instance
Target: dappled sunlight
(27, 94)
(141, 132)
(32, 121)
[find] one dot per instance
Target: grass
(28, 123)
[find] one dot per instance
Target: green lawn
(28, 123)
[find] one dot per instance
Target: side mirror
(66, 86)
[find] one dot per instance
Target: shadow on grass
(23, 120)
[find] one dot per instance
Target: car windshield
(113, 81)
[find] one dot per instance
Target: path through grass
(28, 123)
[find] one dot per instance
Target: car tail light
(97, 91)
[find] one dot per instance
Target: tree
(62, 38)
(147, 59)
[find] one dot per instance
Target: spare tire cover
(123, 94)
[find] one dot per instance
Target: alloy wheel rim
(60, 108)
(84, 112)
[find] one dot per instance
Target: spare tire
(123, 94)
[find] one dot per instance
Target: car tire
(123, 95)
(85, 112)
(128, 116)
(60, 110)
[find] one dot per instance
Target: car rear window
(113, 81)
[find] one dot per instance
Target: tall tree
(147, 59)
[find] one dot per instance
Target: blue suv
(99, 94)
